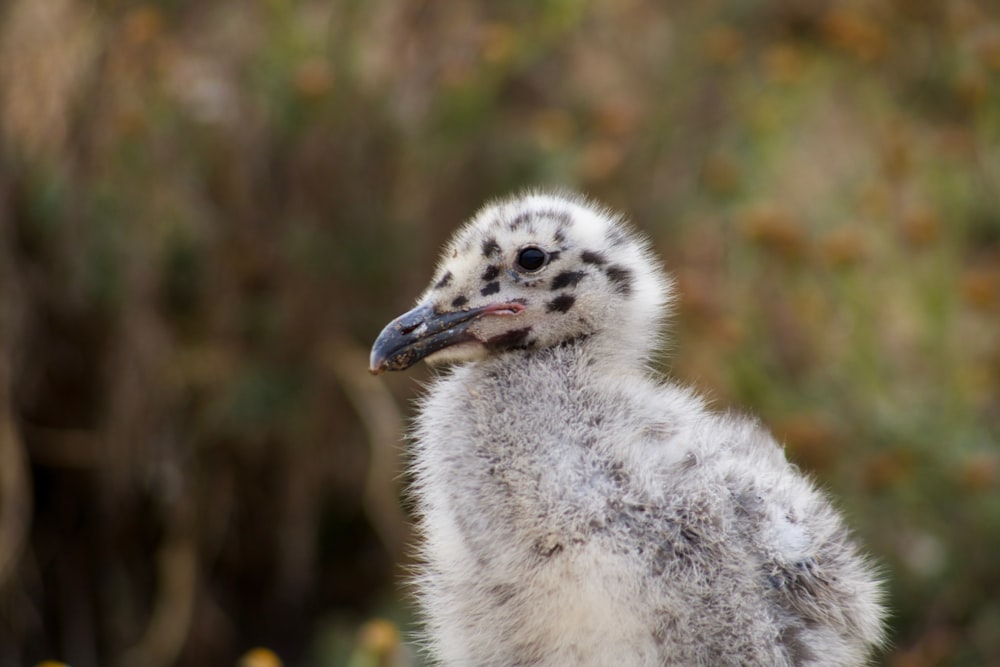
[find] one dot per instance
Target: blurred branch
(15, 494)
(133, 433)
(15, 501)
(384, 424)
(177, 566)
(63, 447)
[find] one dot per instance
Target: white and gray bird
(575, 508)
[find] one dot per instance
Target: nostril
(418, 328)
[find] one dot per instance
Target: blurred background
(208, 209)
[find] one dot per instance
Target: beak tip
(377, 364)
(417, 334)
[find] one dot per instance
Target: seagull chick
(575, 508)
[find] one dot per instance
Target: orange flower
(981, 287)
(313, 77)
(843, 247)
(920, 227)
(887, 468)
(259, 657)
(722, 45)
(783, 63)
(810, 438)
(720, 173)
(854, 33)
(978, 472)
(775, 229)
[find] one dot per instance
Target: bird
(578, 507)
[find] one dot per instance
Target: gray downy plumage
(577, 509)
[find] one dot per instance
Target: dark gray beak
(423, 331)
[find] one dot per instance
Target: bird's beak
(424, 330)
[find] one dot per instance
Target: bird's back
(574, 517)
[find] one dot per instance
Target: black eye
(532, 259)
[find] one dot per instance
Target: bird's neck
(599, 356)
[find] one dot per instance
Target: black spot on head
(622, 279)
(567, 279)
(554, 255)
(560, 304)
(491, 272)
(491, 288)
(490, 247)
(562, 218)
(591, 257)
(575, 340)
(459, 301)
(445, 279)
(519, 220)
(559, 236)
(514, 338)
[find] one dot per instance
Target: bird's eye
(532, 259)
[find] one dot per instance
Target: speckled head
(530, 272)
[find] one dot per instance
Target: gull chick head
(528, 273)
